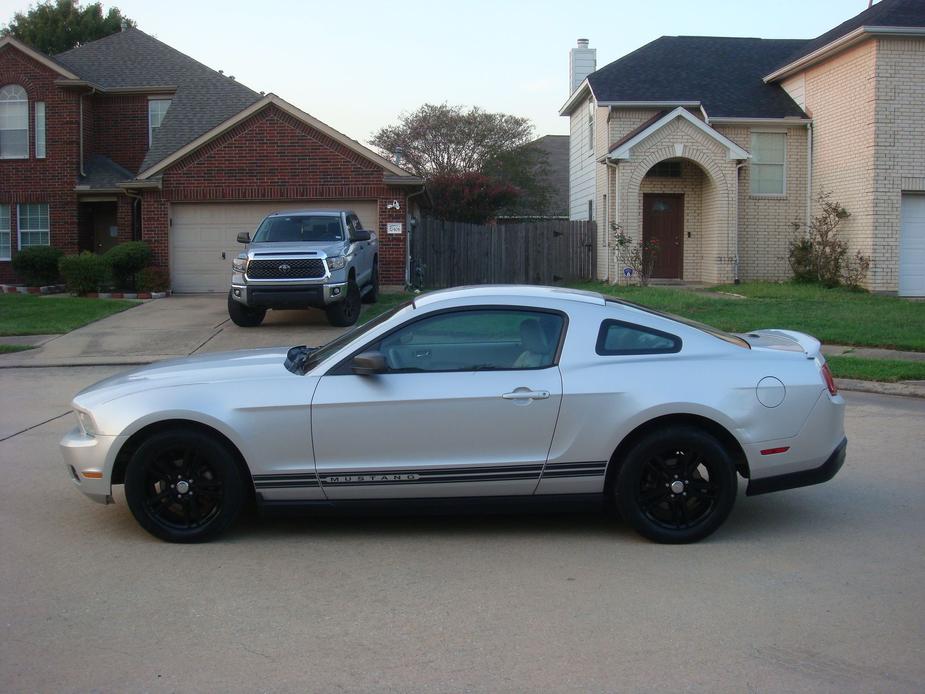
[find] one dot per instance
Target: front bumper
(803, 478)
(288, 296)
(88, 462)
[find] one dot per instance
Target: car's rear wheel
(346, 312)
(245, 316)
(184, 486)
(372, 293)
(676, 485)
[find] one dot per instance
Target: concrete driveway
(173, 327)
(819, 589)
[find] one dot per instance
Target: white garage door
(201, 234)
(912, 245)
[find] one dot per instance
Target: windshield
(709, 329)
(298, 228)
(322, 353)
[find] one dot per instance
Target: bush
(640, 256)
(37, 265)
(820, 255)
(84, 273)
(152, 279)
(125, 260)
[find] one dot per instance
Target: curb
(21, 289)
(909, 390)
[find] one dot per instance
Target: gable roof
(133, 59)
(886, 14)
(622, 149)
(262, 103)
(37, 56)
(102, 173)
(722, 74)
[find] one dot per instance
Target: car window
(299, 228)
(616, 337)
(475, 340)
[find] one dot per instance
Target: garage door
(201, 234)
(912, 245)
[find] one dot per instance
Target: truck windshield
(299, 228)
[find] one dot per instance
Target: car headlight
(338, 262)
(86, 423)
(239, 264)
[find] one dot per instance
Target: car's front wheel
(244, 316)
(676, 485)
(184, 486)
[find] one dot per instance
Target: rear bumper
(803, 478)
(288, 296)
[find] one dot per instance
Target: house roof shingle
(724, 74)
(886, 13)
(103, 173)
(204, 98)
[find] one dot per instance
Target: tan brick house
(716, 146)
(126, 138)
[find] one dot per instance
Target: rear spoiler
(809, 344)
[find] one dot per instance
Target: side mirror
(244, 237)
(360, 235)
(369, 363)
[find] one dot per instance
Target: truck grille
(297, 268)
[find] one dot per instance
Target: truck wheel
(372, 295)
(244, 316)
(345, 312)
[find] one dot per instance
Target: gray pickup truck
(305, 259)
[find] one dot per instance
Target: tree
(53, 27)
(469, 197)
(440, 140)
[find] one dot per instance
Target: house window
(39, 129)
(5, 236)
(768, 166)
(33, 225)
(157, 109)
(665, 169)
(14, 123)
(590, 128)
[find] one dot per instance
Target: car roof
(507, 292)
(308, 212)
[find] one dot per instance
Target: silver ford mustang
(495, 395)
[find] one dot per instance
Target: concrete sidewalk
(168, 328)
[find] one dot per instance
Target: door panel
(912, 245)
(405, 435)
(663, 222)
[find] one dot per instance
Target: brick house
(715, 146)
(126, 138)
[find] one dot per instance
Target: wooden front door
(105, 230)
(663, 222)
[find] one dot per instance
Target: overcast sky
(357, 65)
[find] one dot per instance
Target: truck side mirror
(360, 235)
(244, 237)
(369, 363)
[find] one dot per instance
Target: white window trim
(43, 129)
(19, 226)
(9, 223)
(591, 127)
(150, 99)
(27, 126)
(769, 196)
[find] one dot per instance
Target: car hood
(319, 248)
(242, 365)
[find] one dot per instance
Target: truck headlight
(86, 423)
(239, 264)
(337, 262)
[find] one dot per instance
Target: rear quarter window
(619, 338)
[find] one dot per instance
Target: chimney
(582, 61)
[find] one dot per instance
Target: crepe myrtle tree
(53, 27)
(640, 256)
(469, 197)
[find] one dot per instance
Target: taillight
(829, 381)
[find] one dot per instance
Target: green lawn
(27, 314)
(386, 301)
(835, 316)
(889, 370)
(6, 349)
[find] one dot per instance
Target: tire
(244, 316)
(372, 296)
(345, 312)
(676, 485)
(210, 499)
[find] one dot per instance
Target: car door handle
(526, 395)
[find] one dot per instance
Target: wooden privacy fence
(450, 254)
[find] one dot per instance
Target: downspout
(80, 101)
(735, 266)
(408, 236)
(136, 206)
(615, 200)
(809, 174)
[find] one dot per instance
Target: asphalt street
(818, 589)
